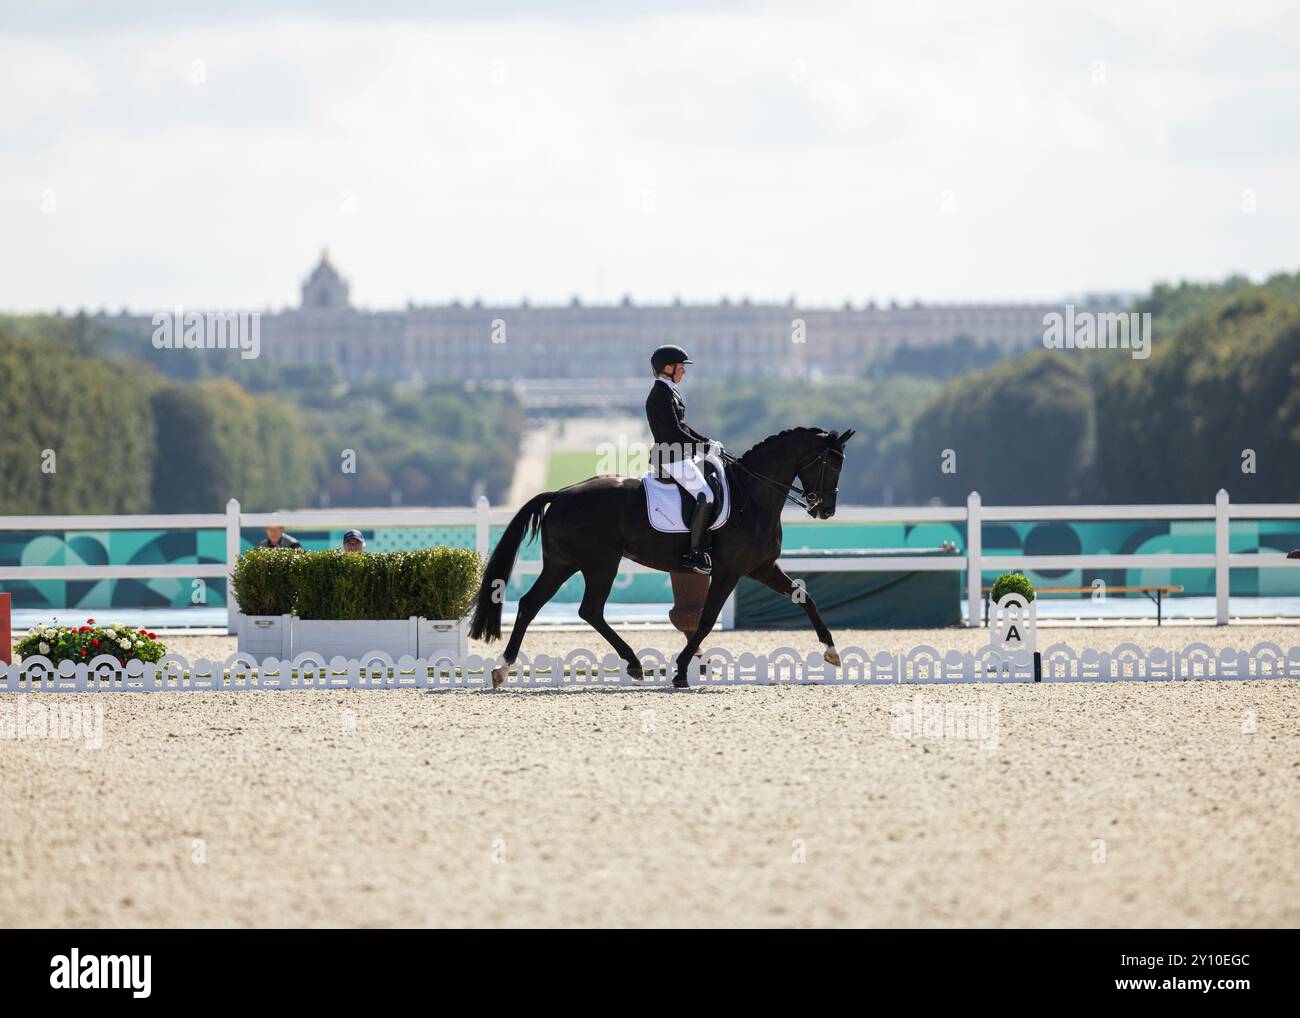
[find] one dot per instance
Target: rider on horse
(679, 447)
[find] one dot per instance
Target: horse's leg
(774, 577)
(720, 588)
(600, 581)
(543, 589)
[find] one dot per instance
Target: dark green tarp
(858, 600)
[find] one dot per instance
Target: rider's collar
(670, 383)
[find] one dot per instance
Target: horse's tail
(491, 593)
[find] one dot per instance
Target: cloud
(945, 152)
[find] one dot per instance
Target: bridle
(806, 498)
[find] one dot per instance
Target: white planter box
(437, 639)
(265, 636)
(286, 636)
(354, 637)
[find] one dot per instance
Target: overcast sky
(159, 153)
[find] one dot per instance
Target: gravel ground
(1094, 804)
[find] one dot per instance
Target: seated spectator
(353, 541)
(277, 538)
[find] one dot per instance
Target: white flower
(44, 647)
(112, 633)
(124, 644)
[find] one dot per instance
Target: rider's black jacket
(674, 438)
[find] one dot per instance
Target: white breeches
(688, 474)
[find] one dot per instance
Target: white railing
(482, 517)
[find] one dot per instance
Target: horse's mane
(771, 439)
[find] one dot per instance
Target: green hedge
(1013, 583)
(434, 583)
(262, 583)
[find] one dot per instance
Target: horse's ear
(846, 436)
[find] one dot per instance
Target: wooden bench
(1158, 591)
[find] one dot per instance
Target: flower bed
(85, 643)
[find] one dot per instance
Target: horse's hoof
(679, 682)
(831, 655)
(498, 677)
(636, 672)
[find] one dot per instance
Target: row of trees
(1219, 407)
(942, 361)
(1216, 405)
(1023, 431)
(85, 433)
(744, 413)
(215, 440)
(79, 434)
(76, 435)
(419, 446)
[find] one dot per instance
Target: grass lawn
(569, 466)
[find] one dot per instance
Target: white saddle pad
(663, 501)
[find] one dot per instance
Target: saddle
(671, 507)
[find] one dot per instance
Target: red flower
(90, 622)
(94, 643)
(153, 636)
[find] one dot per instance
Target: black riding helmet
(666, 355)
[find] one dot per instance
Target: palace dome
(325, 288)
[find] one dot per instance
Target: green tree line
(85, 433)
(1215, 405)
(877, 471)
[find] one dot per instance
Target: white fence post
(481, 526)
(232, 556)
(974, 572)
(1221, 576)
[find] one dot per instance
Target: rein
(808, 499)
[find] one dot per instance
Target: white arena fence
(974, 563)
(717, 667)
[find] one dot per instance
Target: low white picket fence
(716, 667)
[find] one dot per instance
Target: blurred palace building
(478, 342)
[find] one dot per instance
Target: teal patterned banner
(177, 547)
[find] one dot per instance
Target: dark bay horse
(591, 526)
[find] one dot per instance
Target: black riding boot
(697, 558)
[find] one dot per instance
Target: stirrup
(702, 565)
